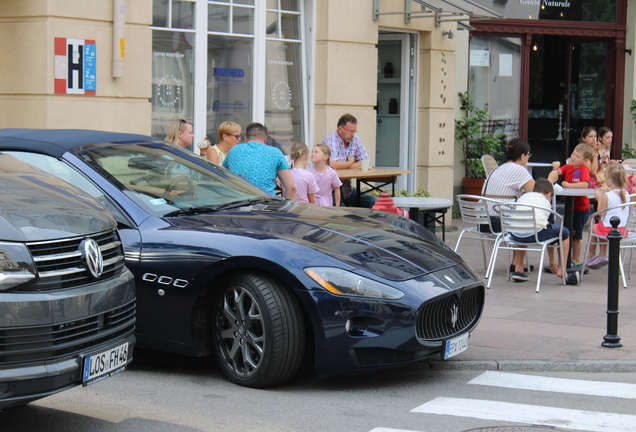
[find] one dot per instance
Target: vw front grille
(49, 342)
(60, 263)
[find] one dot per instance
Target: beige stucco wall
(346, 81)
(27, 96)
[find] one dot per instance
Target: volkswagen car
(67, 302)
(262, 282)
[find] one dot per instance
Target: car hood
(363, 239)
(38, 207)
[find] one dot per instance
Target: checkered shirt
(340, 152)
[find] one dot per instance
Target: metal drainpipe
(119, 40)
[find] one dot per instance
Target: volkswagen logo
(93, 256)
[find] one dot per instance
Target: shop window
(173, 14)
(231, 17)
(234, 52)
(494, 82)
(229, 82)
(284, 103)
(172, 79)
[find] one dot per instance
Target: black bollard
(611, 339)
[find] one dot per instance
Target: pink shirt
(305, 184)
(327, 182)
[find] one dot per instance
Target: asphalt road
(164, 392)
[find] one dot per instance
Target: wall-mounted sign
(75, 69)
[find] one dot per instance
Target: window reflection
(284, 105)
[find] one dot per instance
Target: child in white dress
(611, 195)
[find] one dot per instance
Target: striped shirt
(505, 183)
(327, 182)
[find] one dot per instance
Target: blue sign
(90, 67)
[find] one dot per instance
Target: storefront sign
(229, 72)
(562, 10)
(168, 90)
(545, 3)
(281, 95)
(75, 69)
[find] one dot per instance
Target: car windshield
(164, 180)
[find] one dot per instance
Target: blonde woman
(180, 133)
(229, 136)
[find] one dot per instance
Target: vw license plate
(455, 346)
(105, 364)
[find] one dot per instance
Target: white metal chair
(520, 220)
(489, 163)
(474, 212)
(627, 243)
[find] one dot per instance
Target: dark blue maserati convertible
(221, 266)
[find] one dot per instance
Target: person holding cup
(347, 151)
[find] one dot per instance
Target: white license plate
(455, 346)
(105, 364)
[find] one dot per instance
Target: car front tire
(259, 331)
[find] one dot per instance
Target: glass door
(587, 89)
(393, 104)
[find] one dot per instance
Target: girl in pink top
(306, 185)
(325, 176)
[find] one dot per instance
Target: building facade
(294, 65)
(553, 67)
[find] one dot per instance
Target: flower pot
(472, 185)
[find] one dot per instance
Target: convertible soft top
(55, 142)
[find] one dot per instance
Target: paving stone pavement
(559, 328)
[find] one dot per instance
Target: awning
(441, 10)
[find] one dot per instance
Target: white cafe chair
(475, 217)
(520, 219)
(628, 243)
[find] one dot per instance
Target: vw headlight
(16, 265)
(341, 282)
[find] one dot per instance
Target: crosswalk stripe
(381, 429)
(558, 385)
(532, 414)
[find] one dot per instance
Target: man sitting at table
(347, 151)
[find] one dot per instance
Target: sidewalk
(559, 328)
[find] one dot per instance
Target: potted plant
(474, 144)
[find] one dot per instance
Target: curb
(536, 365)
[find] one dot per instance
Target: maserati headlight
(16, 265)
(341, 282)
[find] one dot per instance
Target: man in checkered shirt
(347, 151)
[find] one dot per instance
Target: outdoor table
(531, 165)
(385, 176)
(431, 211)
(569, 194)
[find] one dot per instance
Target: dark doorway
(568, 90)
